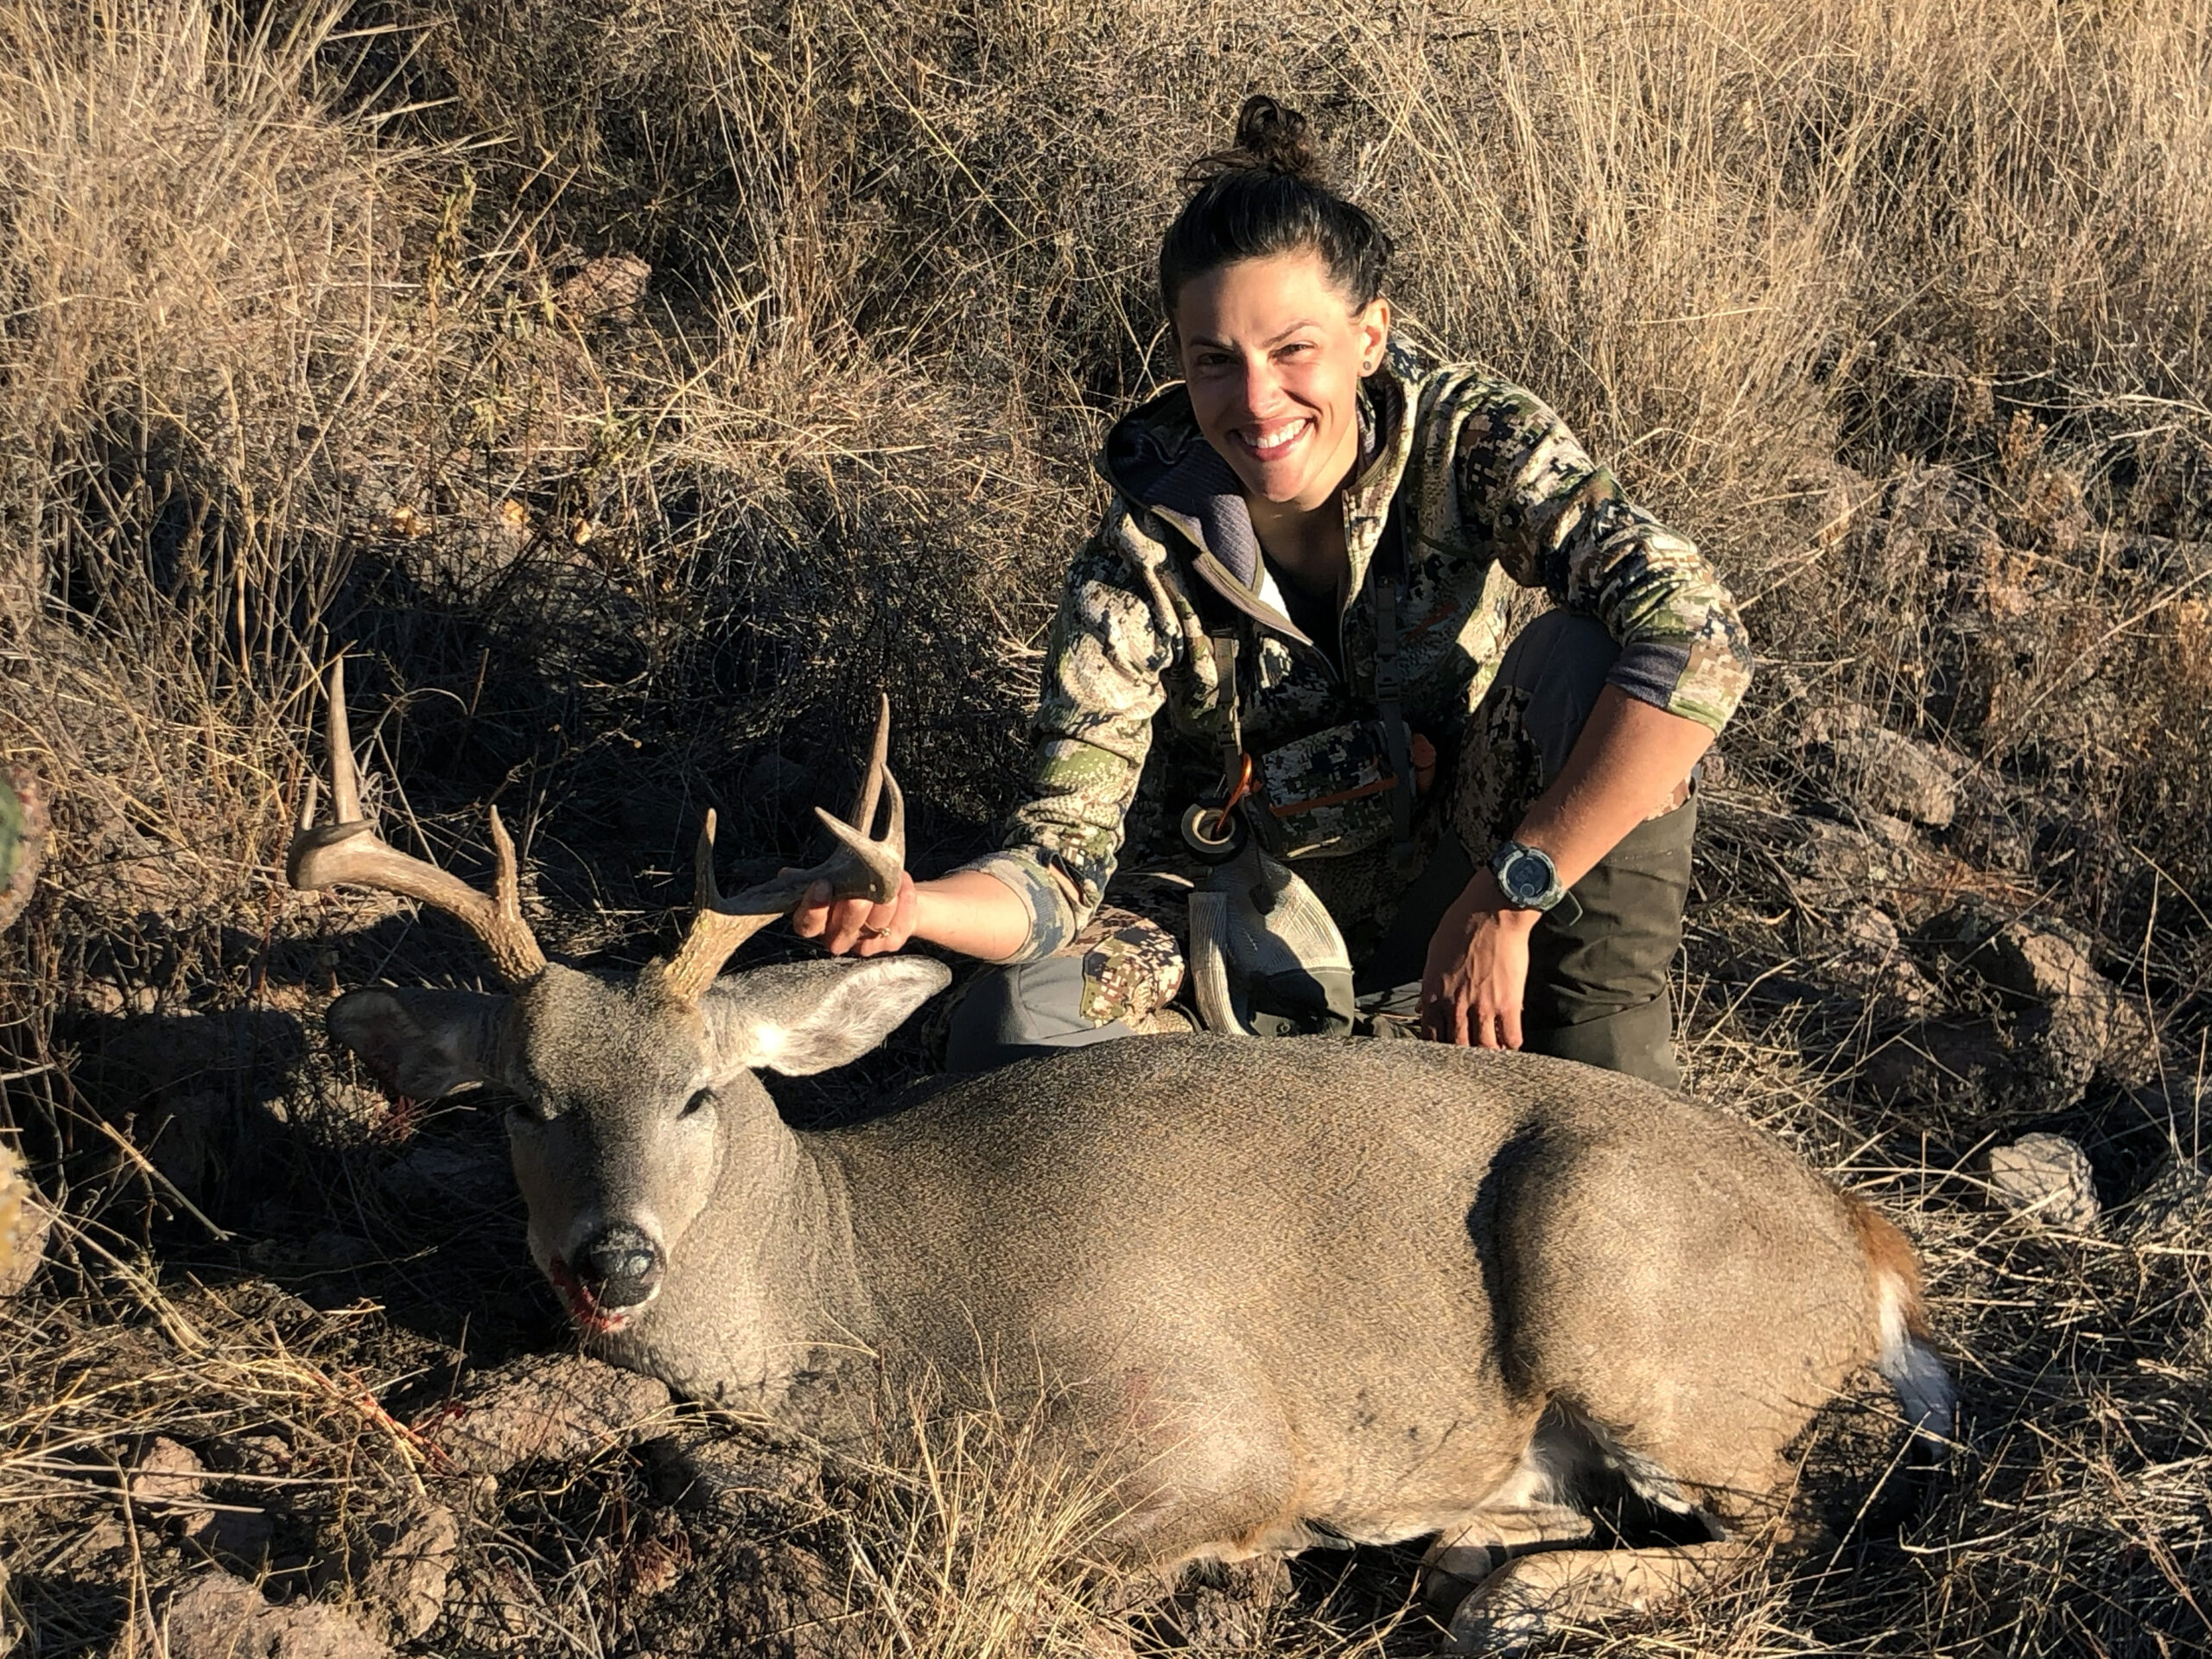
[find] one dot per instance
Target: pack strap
(1386, 573)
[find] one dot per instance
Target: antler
(859, 868)
(351, 852)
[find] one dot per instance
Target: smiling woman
(1305, 567)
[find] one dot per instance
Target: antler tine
(862, 817)
(352, 853)
(884, 858)
(859, 868)
(345, 784)
(714, 934)
(706, 892)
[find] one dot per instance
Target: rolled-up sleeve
(1104, 660)
(1560, 522)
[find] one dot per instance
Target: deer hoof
(1452, 1573)
(1503, 1616)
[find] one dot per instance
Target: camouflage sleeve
(1104, 662)
(1560, 522)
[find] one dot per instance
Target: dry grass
(1901, 310)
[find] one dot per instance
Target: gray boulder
(219, 1616)
(2045, 1178)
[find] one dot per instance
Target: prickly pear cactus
(23, 839)
(23, 1223)
(23, 1219)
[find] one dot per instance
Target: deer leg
(1531, 1508)
(1466, 1554)
(1529, 1599)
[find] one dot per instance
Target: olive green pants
(1597, 988)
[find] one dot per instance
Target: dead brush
(964, 1538)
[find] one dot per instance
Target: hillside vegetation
(636, 386)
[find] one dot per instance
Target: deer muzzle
(620, 1267)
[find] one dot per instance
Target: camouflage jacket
(1492, 491)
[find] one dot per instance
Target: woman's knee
(1551, 676)
(1110, 982)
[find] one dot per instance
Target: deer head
(631, 1103)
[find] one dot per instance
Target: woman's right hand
(855, 926)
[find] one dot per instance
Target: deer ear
(804, 1017)
(421, 1044)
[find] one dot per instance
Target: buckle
(1211, 828)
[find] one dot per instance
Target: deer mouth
(586, 1311)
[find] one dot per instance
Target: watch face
(1525, 878)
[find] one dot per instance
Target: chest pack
(1332, 793)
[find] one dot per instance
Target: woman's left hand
(1477, 970)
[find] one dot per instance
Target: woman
(1306, 560)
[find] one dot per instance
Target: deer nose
(621, 1267)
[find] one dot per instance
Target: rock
(1218, 1607)
(1883, 773)
(100, 997)
(545, 1408)
(2046, 1177)
(607, 289)
(766, 1598)
(256, 1454)
(241, 1536)
(25, 1223)
(1942, 1060)
(2074, 1010)
(411, 1570)
(2042, 960)
(742, 1479)
(328, 1251)
(187, 1139)
(1872, 957)
(166, 1484)
(219, 1616)
(1994, 833)
(2070, 1019)
(1837, 866)
(655, 1562)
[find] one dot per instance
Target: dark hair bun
(1270, 195)
(1271, 138)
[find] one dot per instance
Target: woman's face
(1274, 357)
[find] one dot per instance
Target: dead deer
(1310, 1290)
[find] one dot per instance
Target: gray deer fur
(1312, 1288)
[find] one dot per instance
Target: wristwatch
(1527, 876)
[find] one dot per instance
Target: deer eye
(697, 1103)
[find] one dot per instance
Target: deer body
(1311, 1288)
(1288, 1290)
